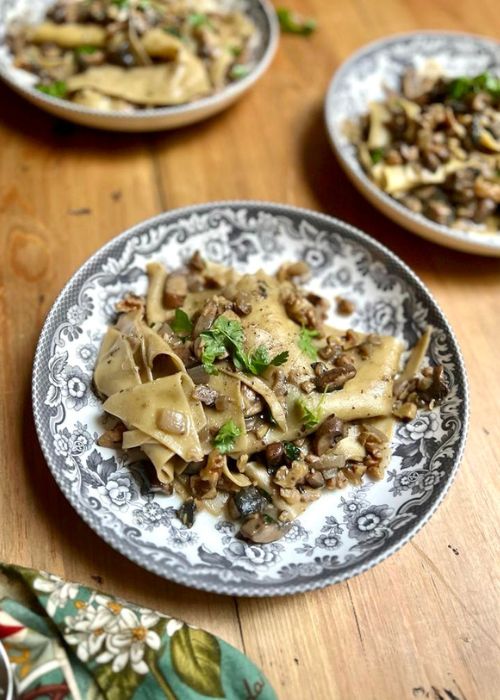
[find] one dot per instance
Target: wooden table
(423, 624)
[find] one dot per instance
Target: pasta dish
(245, 400)
(434, 146)
(121, 55)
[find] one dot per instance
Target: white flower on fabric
(173, 626)
(107, 613)
(82, 632)
(127, 645)
(60, 591)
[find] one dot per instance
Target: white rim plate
(261, 11)
(345, 532)
(360, 80)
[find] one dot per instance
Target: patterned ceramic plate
(342, 534)
(361, 80)
(266, 43)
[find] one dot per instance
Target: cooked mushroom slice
(252, 402)
(275, 455)
(328, 433)
(205, 394)
(247, 501)
(433, 386)
(196, 262)
(176, 289)
(335, 378)
(186, 512)
(262, 529)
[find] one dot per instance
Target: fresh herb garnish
(292, 451)
(238, 72)
(463, 86)
(173, 31)
(87, 49)
(293, 23)
(226, 335)
(57, 89)
(120, 3)
(376, 154)
(198, 19)
(311, 417)
(226, 437)
(305, 342)
(181, 325)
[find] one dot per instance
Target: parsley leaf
(181, 325)
(86, 50)
(376, 154)
(57, 89)
(238, 71)
(292, 451)
(198, 19)
(292, 23)
(226, 437)
(258, 361)
(461, 87)
(226, 335)
(280, 358)
(305, 343)
(310, 419)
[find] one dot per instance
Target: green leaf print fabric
(67, 641)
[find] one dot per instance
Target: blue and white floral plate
(361, 80)
(345, 532)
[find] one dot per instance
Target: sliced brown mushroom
(262, 529)
(335, 378)
(328, 433)
(176, 289)
(275, 454)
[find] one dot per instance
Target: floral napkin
(67, 641)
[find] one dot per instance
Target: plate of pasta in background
(414, 120)
(137, 65)
(250, 398)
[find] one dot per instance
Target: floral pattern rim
(341, 535)
(361, 78)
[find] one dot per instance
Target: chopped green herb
(57, 89)
(198, 19)
(292, 451)
(85, 50)
(235, 50)
(226, 335)
(181, 324)
(258, 361)
(376, 154)
(305, 343)
(292, 23)
(120, 3)
(238, 72)
(463, 86)
(311, 417)
(226, 437)
(174, 31)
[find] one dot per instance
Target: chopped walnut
(112, 437)
(287, 272)
(130, 302)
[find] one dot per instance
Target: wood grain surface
(423, 624)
